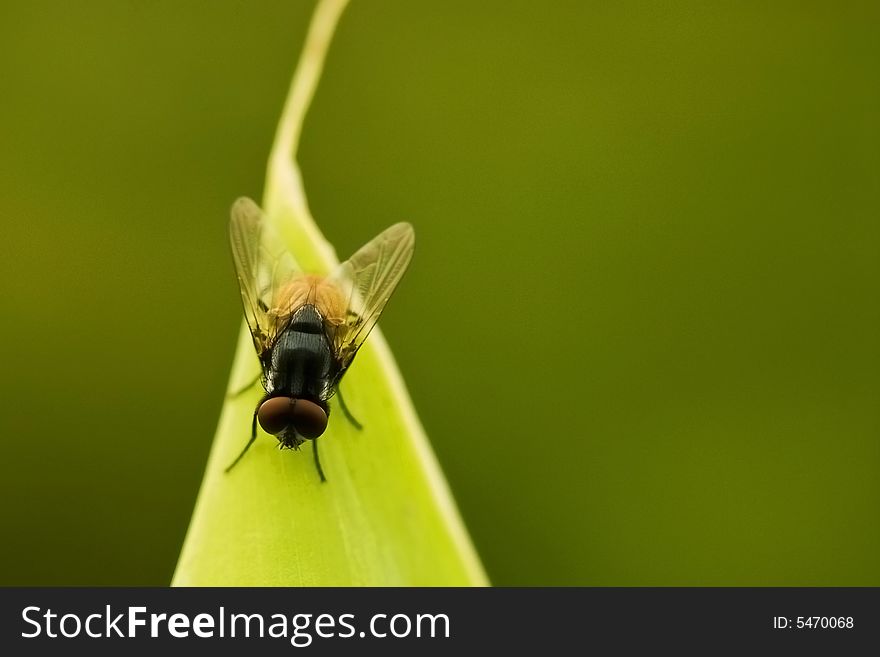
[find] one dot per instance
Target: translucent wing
(265, 270)
(366, 282)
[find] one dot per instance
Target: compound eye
(276, 414)
(279, 413)
(309, 419)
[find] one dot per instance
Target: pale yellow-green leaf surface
(385, 517)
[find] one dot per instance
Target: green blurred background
(640, 327)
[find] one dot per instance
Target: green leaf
(385, 517)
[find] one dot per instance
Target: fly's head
(292, 420)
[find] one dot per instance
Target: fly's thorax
(302, 363)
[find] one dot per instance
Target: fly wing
(264, 267)
(366, 282)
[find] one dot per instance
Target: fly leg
(318, 461)
(249, 443)
(357, 425)
(240, 391)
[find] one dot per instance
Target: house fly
(307, 328)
